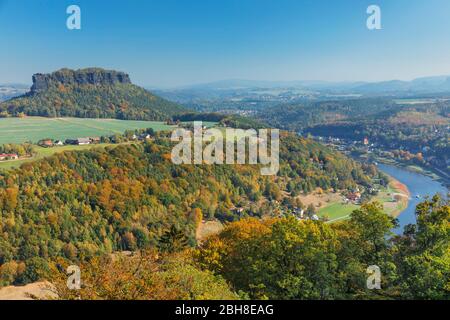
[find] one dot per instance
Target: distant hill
(312, 90)
(8, 91)
(423, 85)
(435, 84)
(300, 116)
(89, 93)
(414, 130)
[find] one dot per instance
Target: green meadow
(19, 130)
(337, 211)
(33, 129)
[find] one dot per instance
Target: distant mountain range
(8, 91)
(424, 85)
(89, 93)
(439, 84)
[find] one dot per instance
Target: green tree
(173, 240)
(36, 269)
(424, 252)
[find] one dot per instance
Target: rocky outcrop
(94, 76)
(90, 93)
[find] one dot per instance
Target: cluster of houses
(48, 143)
(299, 213)
(141, 137)
(353, 197)
(78, 141)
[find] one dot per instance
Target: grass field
(337, 211)
(19, 130)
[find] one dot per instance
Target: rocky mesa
(89, 93)
(94, 76)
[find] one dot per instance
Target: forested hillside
(415, 130)
(286, 259)
(412, 134)
(77, 205)
(298, 116)
(89, 93)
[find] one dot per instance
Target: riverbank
(435, 174)
(420, 186)
(394, 198)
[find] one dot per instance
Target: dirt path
(38, 289)
(207, 229)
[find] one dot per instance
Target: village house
(95, 140)
(79, 141)
(46, 143)
(366, 141)
(299, 212)
(144, 137)
(354, 197)
(8, 156)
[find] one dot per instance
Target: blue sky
(177, 42)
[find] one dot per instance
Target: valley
(248, 159)
(412, 129)
(102, 192)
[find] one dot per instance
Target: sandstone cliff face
(94, 76)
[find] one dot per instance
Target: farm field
(19, 130)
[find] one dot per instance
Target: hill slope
(414, 130)
(82, 204)
(89, 93)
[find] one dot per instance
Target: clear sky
(176, 42)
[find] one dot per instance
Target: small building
(366, 141)
(8, 156)
(46, 143)
(83, 141)
(354, 196)
(79, 141)
(145, 136)
(95, 140)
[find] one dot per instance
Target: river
(418, 184)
